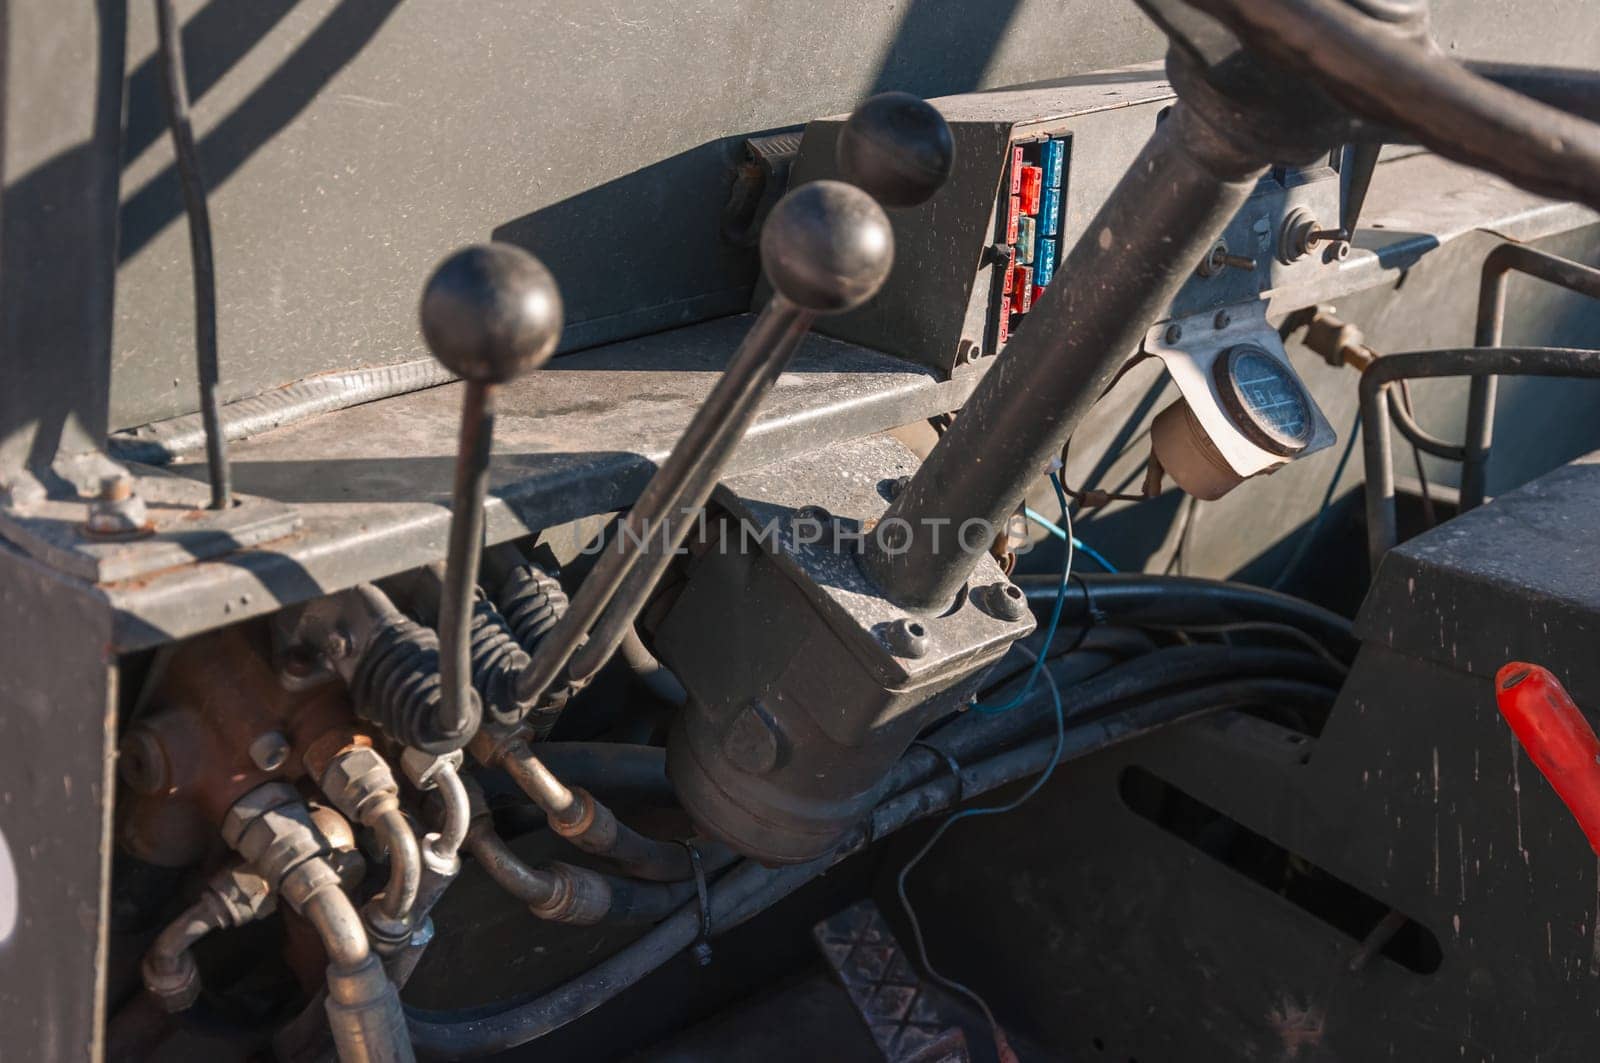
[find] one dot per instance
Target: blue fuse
(1050, 212)
(1044, 261)
(1055, 155)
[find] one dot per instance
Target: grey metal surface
(61, 138)
(350, 143)
(1414, 793)
(58, 689)
(1512, 580)
(180, 529)
(578, 438)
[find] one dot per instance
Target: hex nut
(423, 768)
(359, 783)
(175, 990)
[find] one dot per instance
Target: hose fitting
(360, 784)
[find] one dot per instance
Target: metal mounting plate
(1189, 345)
(183, 530)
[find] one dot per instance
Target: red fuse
(1032, 185)
(1010, 276)
(1022, 295)
(1038, 292)
(1004, 332)
(1016, 170)
(1011, 221)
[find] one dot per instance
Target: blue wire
(1077, 544)
(1055, 614)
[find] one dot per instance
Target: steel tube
(615, 588)
(1161, 220)
(1382, 531)
(465, 551)
(1490, 332)
(175, 95)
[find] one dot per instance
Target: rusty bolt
(117, 512)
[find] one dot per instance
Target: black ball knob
(898, 147)
(827, 247)
(491, 312)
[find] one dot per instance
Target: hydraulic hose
(1177, 601)
(749, 887)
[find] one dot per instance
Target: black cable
(175, 95)
(750, 888)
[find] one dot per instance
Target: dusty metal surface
(58, 685)
(1525, 561)
(576, 439)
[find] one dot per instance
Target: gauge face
(1263, 399)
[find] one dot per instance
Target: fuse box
(1032, 168)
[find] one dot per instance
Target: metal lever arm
(489, 313)
(826, 248)
(1376, 59)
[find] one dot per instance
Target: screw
(908, 638)
(1006, 601)
(336, 645)
(270, 751)
(1174, 333)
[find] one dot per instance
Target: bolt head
(753, 741)
(142, 762)
(908, 637)
(270, 751)
(827, 247)
(491, 312)
(898, 147)
(1174, 333)
(1006, 600)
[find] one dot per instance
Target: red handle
(1559, 740)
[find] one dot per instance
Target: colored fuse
(1044, 261)
(1032, 185)
(1050, 212)
(1022, 295)
(1004, 332)
(1026, 234)
(1011, 219)
(1016, 170)
(1055, 156)
(1038, 292)
(1010, 278)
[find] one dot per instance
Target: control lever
(826, 248)
(489, 313)
(1558, 739)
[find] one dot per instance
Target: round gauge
(1263, 398)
